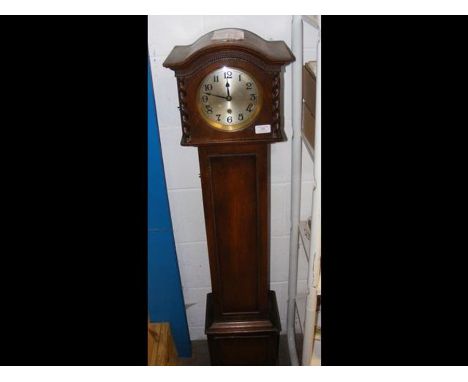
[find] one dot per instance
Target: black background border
(73, 266)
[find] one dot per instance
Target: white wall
(182, 169)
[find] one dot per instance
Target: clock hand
(229, 98)
(215, 95)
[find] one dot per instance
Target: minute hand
(215, 95)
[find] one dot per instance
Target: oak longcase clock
(229, 86)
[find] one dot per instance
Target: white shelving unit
(304, 233)
(302, 308)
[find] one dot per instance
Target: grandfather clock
(229, 84)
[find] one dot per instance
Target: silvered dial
(229, 99)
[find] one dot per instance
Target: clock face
(229, 99)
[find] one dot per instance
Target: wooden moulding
(217, 325)
(243, 342)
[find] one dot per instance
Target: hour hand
(229, 98)
(215, 95)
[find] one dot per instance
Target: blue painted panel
(165, 298)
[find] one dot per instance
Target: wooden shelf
(312, 65)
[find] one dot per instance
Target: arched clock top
(230, 39)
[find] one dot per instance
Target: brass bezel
(238, 126)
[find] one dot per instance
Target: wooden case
(242, 322)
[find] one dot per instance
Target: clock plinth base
(240, 341)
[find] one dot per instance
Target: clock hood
(230, 39)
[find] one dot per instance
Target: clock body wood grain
(242, 321)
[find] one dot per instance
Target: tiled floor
(201, 357)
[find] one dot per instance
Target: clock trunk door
(235, 196)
